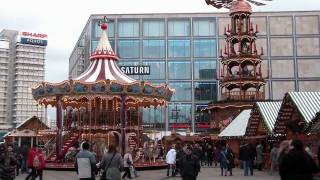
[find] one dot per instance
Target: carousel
(102, 106)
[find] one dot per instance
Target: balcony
(243, 96)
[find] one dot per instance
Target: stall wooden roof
(32, 123)
(265, 113)
(315, 125)
(298, 109)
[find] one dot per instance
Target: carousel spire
(103, 65)
(104, 49)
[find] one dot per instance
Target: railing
(49, 147)
(256, 77)
(247, 96)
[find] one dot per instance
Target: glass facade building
(182, 51)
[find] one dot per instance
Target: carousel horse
(150, 151)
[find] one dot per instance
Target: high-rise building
(182, 50)
(22, 61)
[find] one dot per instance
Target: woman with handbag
(112, 164)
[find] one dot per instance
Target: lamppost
(176, 112)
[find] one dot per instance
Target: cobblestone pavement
(205, 174)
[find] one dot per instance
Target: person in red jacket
(41, 165)
(31, 155)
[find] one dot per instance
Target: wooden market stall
(27, 133)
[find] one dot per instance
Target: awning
(269, 112)
(308, 103)
(237, 128)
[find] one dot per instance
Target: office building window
(204, 48)
(153, 116)
(179, 48)
(94, 45)
(205, 91)
(157, 70)
(180, 113)
(97, 30)
(153, 28)
(128, 28)
(178, 28)
(179, 69)
(204, 27)
(201, 118)
(182, 91)
(205, 69)
(153, 48)
(128, 49)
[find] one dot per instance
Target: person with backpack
(39, 164)
(31, 161)
(112, 164)
(85, 163)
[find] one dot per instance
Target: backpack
(36, 161)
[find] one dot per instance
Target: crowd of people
(290, 159)
(15, 160)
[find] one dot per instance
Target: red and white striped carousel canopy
(103, 64)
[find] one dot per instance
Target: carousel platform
(139, 165)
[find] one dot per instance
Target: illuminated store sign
(135, 70)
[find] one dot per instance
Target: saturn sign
(135, 70)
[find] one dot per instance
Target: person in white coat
(171, 161)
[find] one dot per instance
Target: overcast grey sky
(63, 20)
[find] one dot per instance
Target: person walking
(259, 160)
(216, 155)
(24, 154)
(112, 164)
(189, 165)
(252, 157)
(230, 158)
(85, 163)
(31, 161)
(209, 155)
(41, 165)
(171, 161)
(297, 164)
(7, 163)
(127, 163)
(274, 159)
(180, 154)
(244, 157)
(223, 161)
(10, 162)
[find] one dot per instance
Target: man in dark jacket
(190, 165)
(244, 157)
(297, 164)
(252, 157)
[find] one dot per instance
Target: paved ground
(206, 174)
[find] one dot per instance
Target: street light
(176, 111)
